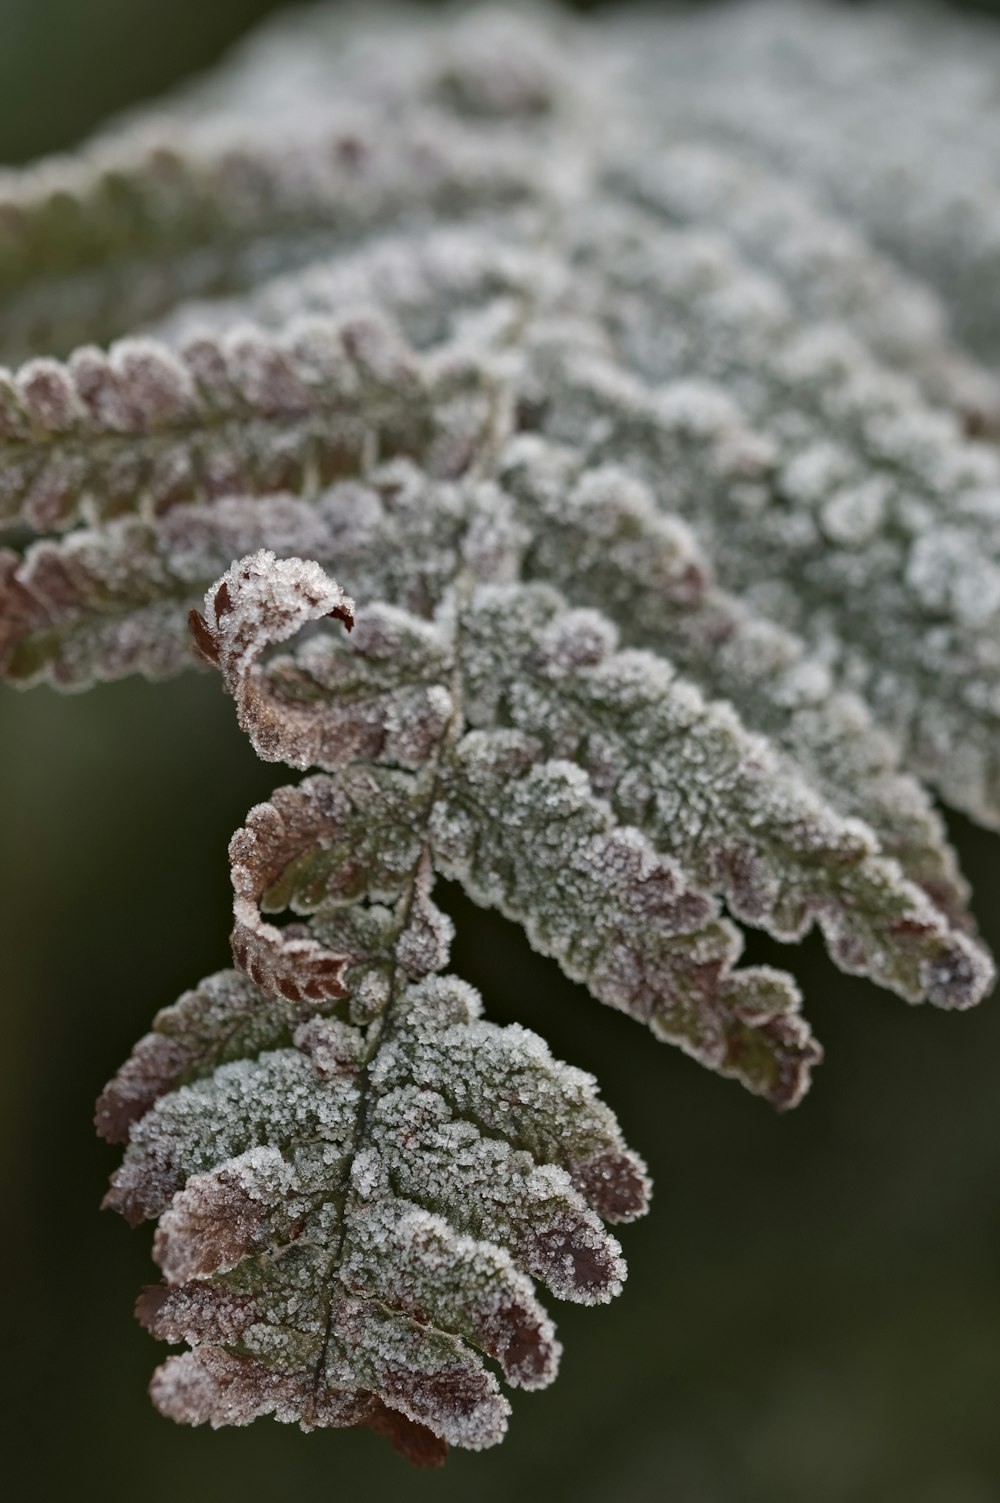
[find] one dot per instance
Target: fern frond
(687, 774)
(822, 265)
(598, 535)
(436, 285)
(840, 101)
(93, 246)
(557, 722)
(98, 604)
(897, 585)
(483, 796)
(666, 498)
(140, 429)
(343, 1218)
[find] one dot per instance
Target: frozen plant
(614, 529)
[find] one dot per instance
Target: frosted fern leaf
(342, 1219)
(406, 1177)
(345, 1218)
(663, 507)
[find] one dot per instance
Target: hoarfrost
(583, 356)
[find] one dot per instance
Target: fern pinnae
(809, 94)
(91, 249)
(597, 534)
(687, 775)
(142, 429)
(432, 283)
(103, 603)
(394, 1262)
(777, 519)
(908, 946)
(668, 592)
(826, 269)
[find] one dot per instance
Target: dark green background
(813, 1308)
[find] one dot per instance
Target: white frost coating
(194, 1128)
(617, 915)
(706, 793)
(146, 428)
(218, 1217)
(464, 1285)
(840, 102)
(664, 491)
(261, 601)
(825, 265)
(334, 1237)
(602, 534)
(506, 1080)
(780, 506)
(485, 1185)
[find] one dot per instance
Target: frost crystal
(631, 378)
